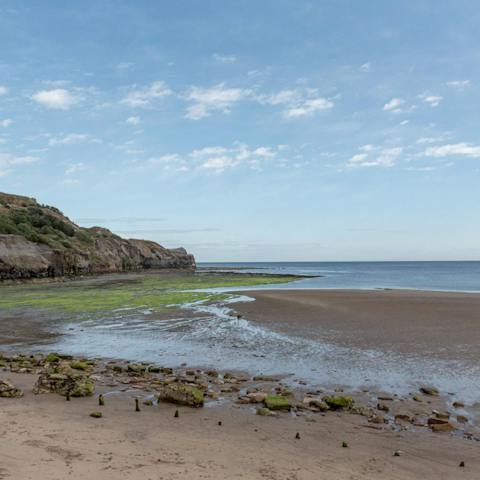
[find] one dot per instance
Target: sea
(460, 276)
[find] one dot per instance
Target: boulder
(428, 390)
(181, 394)
(277, 402)
(443, 427)
(8, 390)
(339, 402)
(64, 380)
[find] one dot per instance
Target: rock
(385, 398)
(212, 373)
(62, 379)
(52, 358)
(153, 369)
(427, 390)
(316, 403)
(79, 365)
(397, 453)
(444, 427)
(458, 404)
(264, 412)
(136, 368)
(96, 415)
(181, 394)
(344, 445)
(461, 464)
(266, 378)
(257, 397)
(8, 390)
(462, 419)
(339, 402)
(444, 415)
(437, 421)
(277, 402)
(403, 418)
(383, 407)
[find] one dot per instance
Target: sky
(328, 130)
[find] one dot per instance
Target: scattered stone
(443, 427)
(101, 400)
(137, 406)
(176, 414)
(461, 464)
(437, 421)
(136, 368)
(219, 423)
(277, 402)
(427, 390)
(153, 369)
(316, 403)
(383, 407)
(339, 403)
(458, 404)
(266, 378)
(181, 394)
(297, 436)
(403, 418)
(8, 390)
(397, 453)
(212, 373)
(264, 412)
(416, 398)
(52, 358)
(344, 445)
(79, 365)
(386, 398)
(256, 397)
(96, 415)
(462, 419)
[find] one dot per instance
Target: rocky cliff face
(39, 241)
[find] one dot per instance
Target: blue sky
(273, 130)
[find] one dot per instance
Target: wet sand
(440, 324)
(45, 437)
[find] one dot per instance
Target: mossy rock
(96, 415)
(7, 390)
(52, 358)
(117, 368)
(153, 369)
(264, 412)
(79, 365)
(136, 368)
(277, 402)
(428, 390)
(339, 402)
(181, 394)
(83, 389)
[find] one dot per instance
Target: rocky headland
(39, 241)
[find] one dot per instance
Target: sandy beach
(45, 437)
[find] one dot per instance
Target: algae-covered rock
(62, 379)
(96, 415)
(52, 358)
(264, 412)
(339, 402)
(277, 402)
(136, 368)
(428, 390)
(181, 394)
(8, 390)
(79, 365)
(154, 369)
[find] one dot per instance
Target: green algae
(277, 402)
(158, 293)
(339, 402)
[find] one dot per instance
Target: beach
(404, 361)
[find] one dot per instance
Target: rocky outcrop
(38, 241)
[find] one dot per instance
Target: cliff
(39, 241)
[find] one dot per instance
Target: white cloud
(366, 67)
(57, 99)
(132, 120)
(3, 90)
(375, 157)
(217, 159)
(460, 84)
(297, 103)
(404, 122)
(393, 105)
(9, 161)
(432, 100)
(75, 168)
(70, 139)
(454, 149)
(424, 140)
(144, 97)
(215, 99)
(224, 58)
(6, 122)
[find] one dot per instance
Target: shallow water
(213, 337)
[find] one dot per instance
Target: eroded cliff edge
(38, 241)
